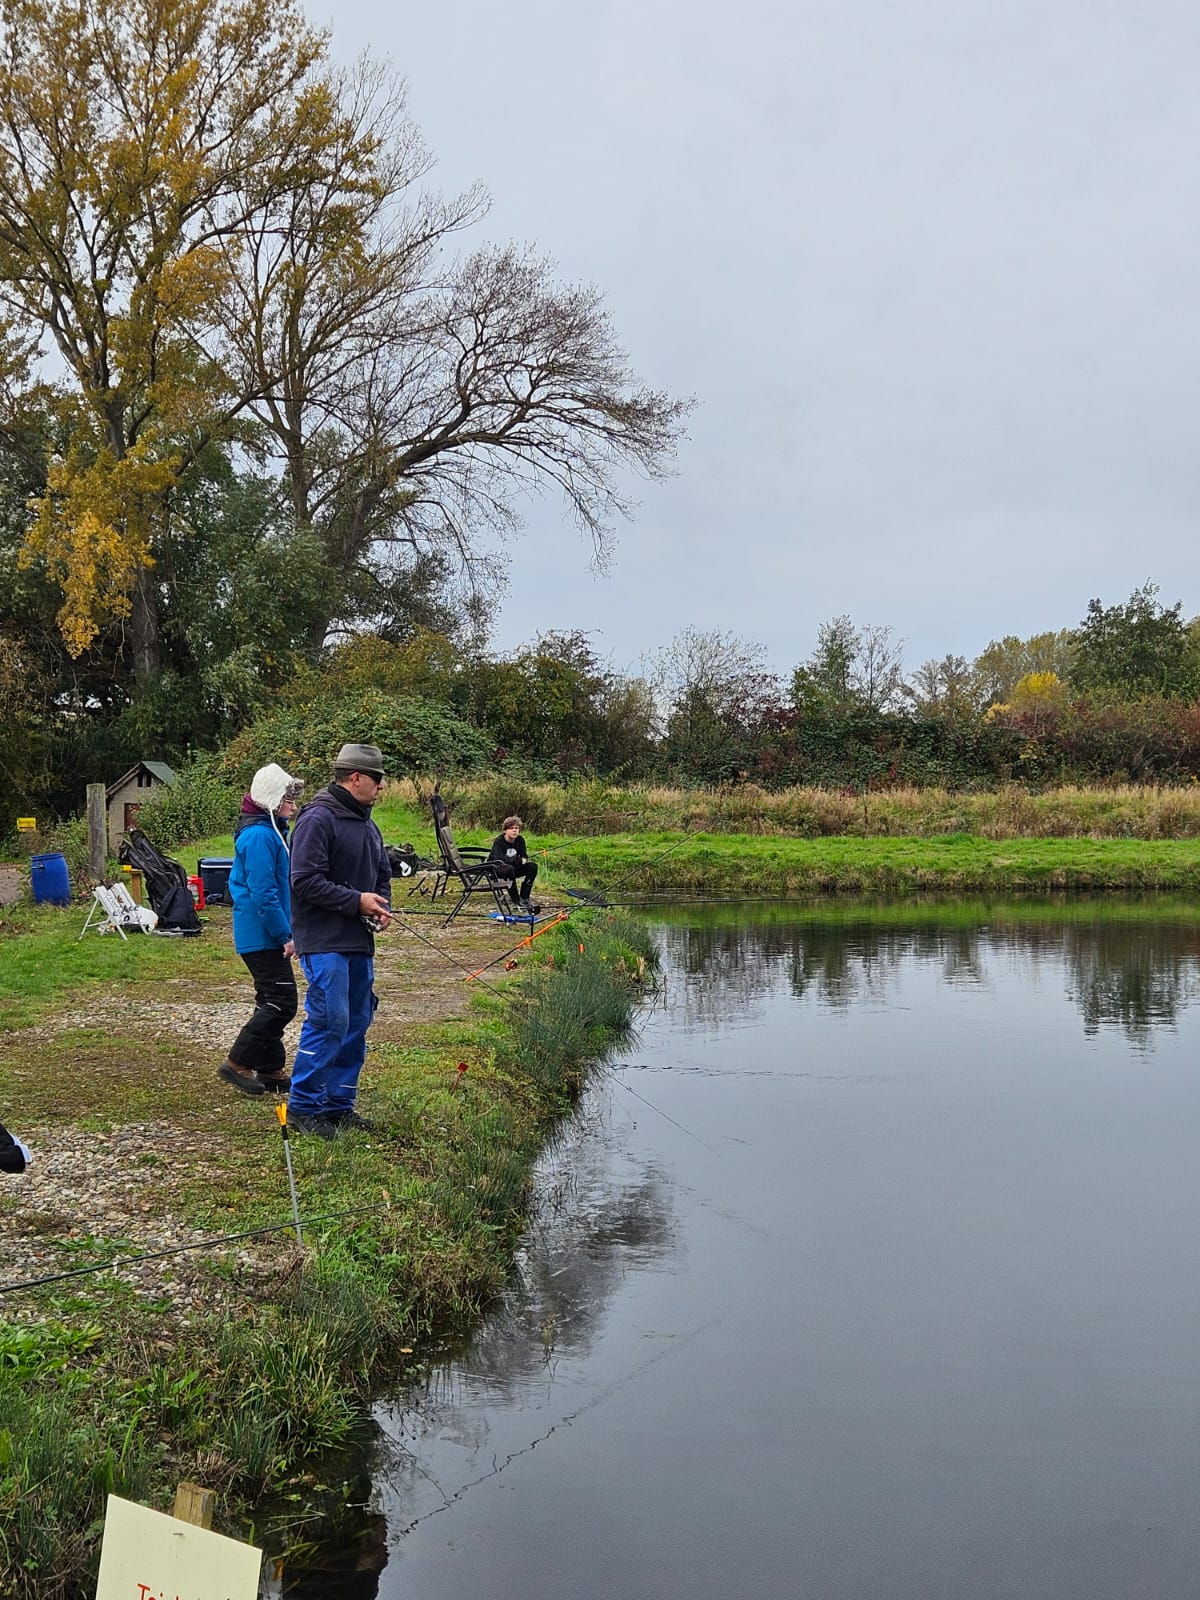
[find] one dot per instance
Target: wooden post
(97, 817)
(194, 1504)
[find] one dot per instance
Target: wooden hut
(126, 797)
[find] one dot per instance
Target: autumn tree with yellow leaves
(208, 233)
(130, 136)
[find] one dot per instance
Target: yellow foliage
(135, 138)
(1037, 689)
(1034, 696)
(94, 527)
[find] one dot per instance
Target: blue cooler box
(214, 875)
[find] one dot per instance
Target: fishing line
(612, 1072)
(658, 856)
(401, 919)
(183, 1249)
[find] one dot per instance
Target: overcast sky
(931, 270)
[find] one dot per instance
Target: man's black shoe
(320, 1127)
(351, 1119)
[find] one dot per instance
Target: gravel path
(84, 1186)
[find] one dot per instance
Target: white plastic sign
(148, 1556)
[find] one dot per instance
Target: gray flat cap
(360, 757)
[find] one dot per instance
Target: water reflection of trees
(1135, 975)
(588, 1228)
(1138, 982)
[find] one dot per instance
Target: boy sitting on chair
(510, 852)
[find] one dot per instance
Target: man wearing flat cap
(340, 881)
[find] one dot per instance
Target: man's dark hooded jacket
(337, 854)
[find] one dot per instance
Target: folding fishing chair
(113, 910)
(468, 866)
(146, 919)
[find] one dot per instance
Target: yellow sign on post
(148, 1556)
(26, 824)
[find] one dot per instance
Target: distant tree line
(265, 429)
(1115, 698)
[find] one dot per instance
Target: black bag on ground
(404, 861)
(166, 884)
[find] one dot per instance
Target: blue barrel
(50, 880)
(214, 875)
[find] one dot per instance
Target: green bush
(488, 803)
(200, 803)
(415, 736)
(71, 840)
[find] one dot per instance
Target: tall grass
(1010, 812)
(581, 1001)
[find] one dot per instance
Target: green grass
(42, 957)
(666, 863)
(399, 821)
(660, 862)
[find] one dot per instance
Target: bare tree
(727, 673)
(878, 674)
(947, 688)
(422, 397)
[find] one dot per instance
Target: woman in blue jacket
(262, 931)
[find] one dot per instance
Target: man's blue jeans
(338, 1009)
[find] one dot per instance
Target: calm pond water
(870, 1270)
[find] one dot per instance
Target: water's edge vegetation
(97, 1396)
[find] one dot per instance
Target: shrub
(201, 802)
(415, 736)
(486, 804)
(71, 839)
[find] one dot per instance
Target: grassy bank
(662, 862)
(704, 864)
(234, 1365)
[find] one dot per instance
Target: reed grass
(1009, 812)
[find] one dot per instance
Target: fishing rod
(642, 865)
(183, 1249)
(525, 943)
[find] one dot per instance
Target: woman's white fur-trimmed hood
(270, 785)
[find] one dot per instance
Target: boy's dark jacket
(337, 854)
(513, 854)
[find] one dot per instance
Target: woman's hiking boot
(241, 1078)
